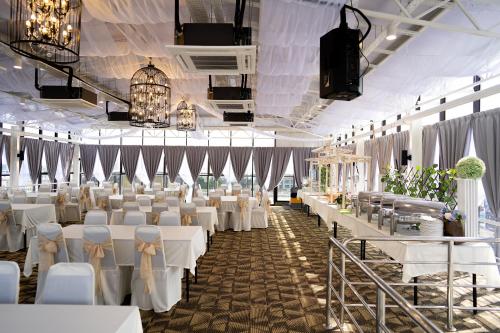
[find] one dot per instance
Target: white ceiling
(118, 36)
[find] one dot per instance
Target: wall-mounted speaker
(405, 157)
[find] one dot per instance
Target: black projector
(213, 34)
(238, 117)
(229, 93)
(340, 65)
(68, 93)
(117, 116)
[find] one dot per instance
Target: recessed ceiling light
(18, 63)
(391, 33)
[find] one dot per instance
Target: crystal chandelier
(47, 30)
(186, 117)
(149, 98)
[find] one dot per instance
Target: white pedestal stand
(467, 202)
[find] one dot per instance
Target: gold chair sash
(186, 219)
(148, 250)
(268, 206)
(140, 190)
(182, 195)
(155, 218)
(4, 220)
(61, 205)
(243, 204)
(214, 203)
(258, 197)
(102, 203)
(114, 190)
(47, 250)
(85, 197)
(96, 254)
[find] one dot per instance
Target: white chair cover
(172, 201)
(246, 192)
(242, 215)
(107, 185)
(144, 201)
(96, 217)
(51, 250)
(199, 201)
(66, 210)
(43, 198)
(69, 283)
(4, 194)
(154, 285)
(130, 206)
(214, 200)
(188, 214)
(9, 280)
(19, 198)
(128, 197)
(259, 217)
(160, 196)
(157, 187)
(11, 236)
(156, 210)
(44, 188)
(168, 218)
(236, 189)
(134, 218)
(111, 283)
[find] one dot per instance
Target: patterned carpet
(274, 281)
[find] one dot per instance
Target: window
(286, 183)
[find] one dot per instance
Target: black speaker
(340, 65)
(405, 157)
(21, 155)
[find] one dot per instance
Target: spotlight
(391, 33)
(18, 63)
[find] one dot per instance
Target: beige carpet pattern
(274, 280)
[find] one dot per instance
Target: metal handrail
(383, 290)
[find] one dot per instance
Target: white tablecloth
(31, 215)
(411, 251)
(207, 217)
(183, 245)
(27, 318)
(229, 202)
(32, 196)
(117, 199)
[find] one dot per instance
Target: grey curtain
(66, 156)
(151, 156)
(486, 131)
(454, 141)
(107, 155)
(262, 157)
(87, 158)
(130, 157)
(35, 153)
(173, 160)
(401, 142)
(384, 151)
(6, 143)
(429, 140)
(239, 160)
(280, 162)
(52, 150)
(217, 159)
(3, 138)
(300, 165)
(370, 149)
(195, 157)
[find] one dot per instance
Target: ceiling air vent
(216, 60)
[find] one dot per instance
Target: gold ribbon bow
(85, 197)
(96, 254)
(148, 250)
(268, 206)
(186, 220)
(47, 251)
(140, 190)
(214, 203)
(236, 192)
(102, 203)
(243, 204)
(258, 196)
(182, 195)
(4, 220)
(155, 218)
(114, 190)
(61, 204)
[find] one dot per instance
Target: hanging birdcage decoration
(186, 117)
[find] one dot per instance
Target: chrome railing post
(342, 288)
(380, 310)
(329, 321)
(450, 297)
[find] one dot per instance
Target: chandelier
(149, 98)
(47, 30)
(186, 117)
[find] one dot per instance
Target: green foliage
(470, 167)
(427, 183)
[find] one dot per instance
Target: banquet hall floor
(274, 281)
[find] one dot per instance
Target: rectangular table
(32, 196)
(411, 251)
(27, 318)
(183, 246)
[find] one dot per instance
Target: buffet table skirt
(21, 318)
(183, 245)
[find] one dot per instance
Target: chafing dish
(406, 211)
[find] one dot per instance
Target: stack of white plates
(431, 227)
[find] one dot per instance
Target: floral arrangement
(470, 167)
(452, 215)
(339, 200)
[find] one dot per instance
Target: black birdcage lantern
(149, 98)
(47, 30)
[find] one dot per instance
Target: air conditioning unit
(67, 97)
(238, 118)
(231, 99)
(118, 116)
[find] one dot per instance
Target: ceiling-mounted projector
(340, 76)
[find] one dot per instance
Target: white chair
(259, 217)
(91, 184)
(9, 280)
(107, 185)
(43, 198)
(154, 284)
(246, 192)
(188, 214)
(130, 206)
(214, 200)
(160, 196)
(156, 210)
(51, 250)
(168, 218)
(19, 198)
(199, 201)
(96, 217)
(4, 194)
(44, 188)
(242, 215)
(110, 280)
(144, 201)
(128, 197)
(69, 283)
(157, 187)
(236, 189)
(66, 210)
(172, 201)
(134, 218)
(11, 236)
